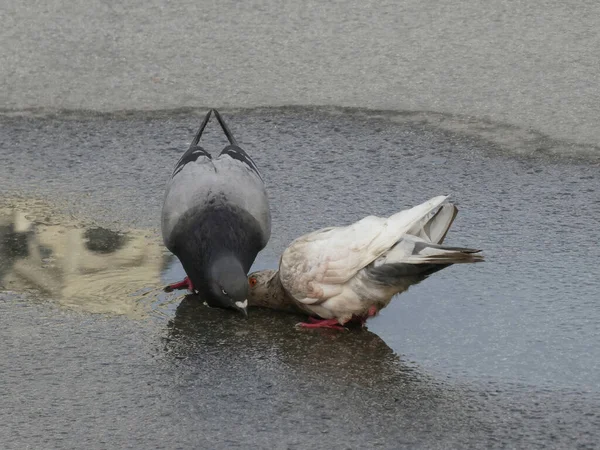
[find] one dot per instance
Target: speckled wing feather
(315, 267)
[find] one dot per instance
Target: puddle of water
(80, 265)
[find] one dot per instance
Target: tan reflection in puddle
(80, 265)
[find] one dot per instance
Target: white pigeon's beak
(243, 307)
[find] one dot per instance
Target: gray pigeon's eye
(224, 291)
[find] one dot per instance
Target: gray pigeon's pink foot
(321, 323)
(186, 283)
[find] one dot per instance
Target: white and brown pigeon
(342, 274)
(215, 219)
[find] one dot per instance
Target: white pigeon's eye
(224, 291)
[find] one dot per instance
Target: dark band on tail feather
(194, 151)
(233, 150)
(420, 246)
(189, 157)
(392, 274)
(239, 154)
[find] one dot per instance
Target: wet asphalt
(501, 354)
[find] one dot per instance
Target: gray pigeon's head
(228, 285)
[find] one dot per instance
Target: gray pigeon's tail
(194, 151)
(234, 150)
(200, 130)
(225, 128)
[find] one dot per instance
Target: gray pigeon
(215, 219)
(343, 274)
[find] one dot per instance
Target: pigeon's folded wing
(315, 266)
(200, 184)
(187, 188)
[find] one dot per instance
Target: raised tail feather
(434, 226)
(194, 151)
(196, 140)
(412, 260)
(419, 253)
(233, 149)
(446, 255)
(415, 250)
(225, 128)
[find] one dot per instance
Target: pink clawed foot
(321, 323)
(186, 283)
(311, 319)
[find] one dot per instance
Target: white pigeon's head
(258, 283)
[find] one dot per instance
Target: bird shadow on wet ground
(356, 354)
(328, 374)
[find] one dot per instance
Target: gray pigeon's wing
(205, 182)
(243, 186)
(188, 188)
(199, 181)
(233, 150)
(251, 194)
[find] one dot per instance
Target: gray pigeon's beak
(242, 307)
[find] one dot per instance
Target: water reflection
(357, 355)
(266, 372)
(85, 267)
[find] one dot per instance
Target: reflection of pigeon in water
(104, 241)
(343, 273)
(196, 332)
(14, 243)
(215, 219)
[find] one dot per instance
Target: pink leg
(363, 319)
(186, 283)
(321, 323)
(311, 319)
